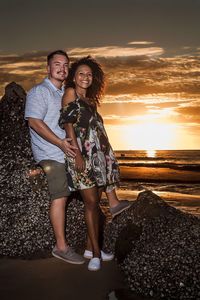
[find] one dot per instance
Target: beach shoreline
(185, 202)
(179, 188)
(150, 174)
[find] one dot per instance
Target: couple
(54, 112)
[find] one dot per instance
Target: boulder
(25, 229)
(157, 248)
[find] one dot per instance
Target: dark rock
(125, 241)
(163, 260)
(25, 229)
(125, 294)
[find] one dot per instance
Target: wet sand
(54, 279)
(158, 174)
(185, 202)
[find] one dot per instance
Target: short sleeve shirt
(44, 102)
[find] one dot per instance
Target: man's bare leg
(57, 217)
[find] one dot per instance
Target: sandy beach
(158, 174)
(184, 202)
(54, 279)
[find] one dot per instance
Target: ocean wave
(170, 156)
(186, 188)
(175, 166)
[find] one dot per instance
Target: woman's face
(83, 77)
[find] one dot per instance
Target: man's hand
(67, 148)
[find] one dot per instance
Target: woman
(94, 168)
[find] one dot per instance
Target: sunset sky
(149, 50)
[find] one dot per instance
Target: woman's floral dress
(101, 169)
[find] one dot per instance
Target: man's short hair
(57, 52)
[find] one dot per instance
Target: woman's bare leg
(88, 244)
(112, 198)
(116, 206)
(91, 201)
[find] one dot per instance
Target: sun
(152, 135)
(144, 136)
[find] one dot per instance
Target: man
(49, 146)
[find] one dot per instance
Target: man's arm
(46, 133)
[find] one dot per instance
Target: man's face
(58, 68)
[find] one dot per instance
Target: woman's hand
(79, 163)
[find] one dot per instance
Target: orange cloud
(115, 51)
(140, 43)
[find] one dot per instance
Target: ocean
(181, 159)
(153, 169)
(172, 174)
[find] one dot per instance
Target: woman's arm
(79, 161)
(70, 96)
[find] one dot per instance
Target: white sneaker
(94, 264)
(104, 256)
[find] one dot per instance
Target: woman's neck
(82, 96)
(81, 93)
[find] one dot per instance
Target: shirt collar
(53, 87)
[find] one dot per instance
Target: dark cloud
(161, 75)
(174, 80)
(32, 56)
(26, 70)
(125, 75)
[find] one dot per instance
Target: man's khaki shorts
(56, 177)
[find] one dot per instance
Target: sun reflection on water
(151, 153)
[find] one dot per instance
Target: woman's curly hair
(95, 91)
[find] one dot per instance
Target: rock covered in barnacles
(25, 229)
(157, 247)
